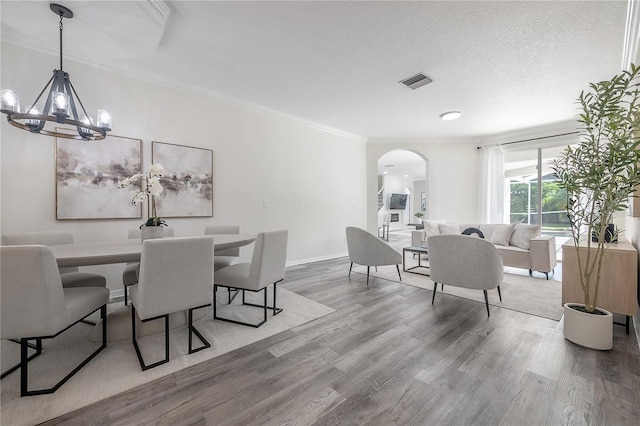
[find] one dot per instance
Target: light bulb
(60, 104)
(33, 110)
(10, 101)
(104, 119)
(86, 131)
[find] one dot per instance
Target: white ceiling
(506, 65)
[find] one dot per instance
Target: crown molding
(190, 89)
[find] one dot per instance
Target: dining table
(124, 251)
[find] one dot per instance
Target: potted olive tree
(599, 174)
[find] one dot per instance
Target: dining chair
(267, 267)
(35, 306)
(227, 257)
(130, 273)
(70, 276)
(176, 274)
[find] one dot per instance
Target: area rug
(530, 295)
(116, 368)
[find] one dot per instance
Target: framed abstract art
(87, 176)
(187, 180)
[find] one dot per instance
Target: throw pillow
(487, 230)
(430, 228)
(449, 228)
(501, 235)
(522, 235)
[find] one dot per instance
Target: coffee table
(414, 249)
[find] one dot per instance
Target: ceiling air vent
(416, 81)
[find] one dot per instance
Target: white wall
(452, 174)
(313, 180)
(419, 187)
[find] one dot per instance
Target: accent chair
(367, 249)
(465, 261)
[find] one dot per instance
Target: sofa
(520, 245)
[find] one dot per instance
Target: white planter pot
(588, 330)
(151, 232)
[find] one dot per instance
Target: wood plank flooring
(387, 357)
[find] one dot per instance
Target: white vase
(588, 330)
(151, 232)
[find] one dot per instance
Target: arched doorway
(402, 187)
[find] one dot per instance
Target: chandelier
(60, 106)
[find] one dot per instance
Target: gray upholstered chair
(228, 257)
(465, 261)
(267, 267)
(368, 250)
(176, 274)
(70, 276)
(34, 306)
(130, 273)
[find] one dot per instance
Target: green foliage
(419, 215)
(154, 221)
(601, 172)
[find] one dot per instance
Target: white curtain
(491, 184)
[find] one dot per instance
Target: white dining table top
(123, 251)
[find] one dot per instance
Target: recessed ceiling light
(385, 172)
(406, 175)
(451, 115)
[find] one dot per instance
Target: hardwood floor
(387, 356)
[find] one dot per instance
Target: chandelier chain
(61, 42)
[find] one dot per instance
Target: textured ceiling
(506, 65)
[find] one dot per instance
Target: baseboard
(115, 294)
(636, 322)
(317, 259)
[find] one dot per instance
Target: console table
(618, 292)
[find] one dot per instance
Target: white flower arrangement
(150, 187)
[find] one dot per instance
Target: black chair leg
(135, 342)
(499, 294)
(368, 267)
(398, 268)
(435, 288)
(193, 330)
(264, 306)
(486, 302)
(350, 269)
(276, 310)
(215, 290)
(38, 350)
(24, 359)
